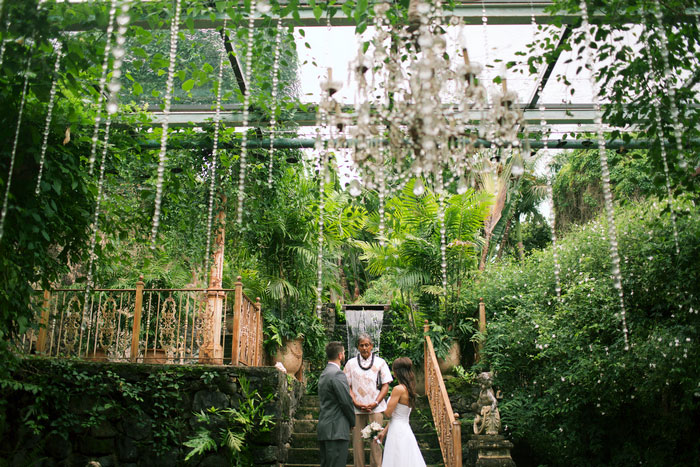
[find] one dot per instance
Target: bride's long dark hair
(403, 370)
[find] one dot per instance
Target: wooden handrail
(446, 421)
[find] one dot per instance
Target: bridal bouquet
(371, 431)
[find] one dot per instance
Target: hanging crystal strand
(484, 25)
(14, 147)
(113, 87)
(381, 189)
(214, 155)
(662, 143)
(3, 42)
(677, 130)
(49, 114)
(162, 157)
(118, 53)
(246, 114)
(329, 88)
(102, 83)
(546, 156)
(440, 195)
(96, 216)
(553, 220)
(273, 109)
(321, 207)
(612, 235)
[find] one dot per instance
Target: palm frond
(278, 288)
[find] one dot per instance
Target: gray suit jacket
(337, 413)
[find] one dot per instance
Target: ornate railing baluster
(446, 421)
(141, 324)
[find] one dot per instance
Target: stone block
(138, 429)
(215, 460)
(490, 451)
(107, 461)
(103, 430)
(204, 400)
(92, 446)
(57, 447)
(265, 454)
(127, 450)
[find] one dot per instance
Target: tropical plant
(231, 429)
(577, 188)
(410, 257)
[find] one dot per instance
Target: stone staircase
(303, 450)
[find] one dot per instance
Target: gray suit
(336, 416)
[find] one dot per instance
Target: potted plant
(289, 336)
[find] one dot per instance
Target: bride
(401, 448)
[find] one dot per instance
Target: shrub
(572, 392)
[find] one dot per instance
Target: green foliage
(294, 325)
(632, 75)
(410, 256)
(232, 429)
(572, 393)
(44, 232)
(69, 399)
(578, 190)
(401, 337)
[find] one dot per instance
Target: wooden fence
(446, 421)
(174, 326)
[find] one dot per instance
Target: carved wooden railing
(246, 346)
(446, 421)
(174, 326)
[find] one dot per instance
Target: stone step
(310, 412)
(311, 456)
(311, 400)
(417, 425)
(309, 440)
(348, 465)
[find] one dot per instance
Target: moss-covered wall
(70, 412)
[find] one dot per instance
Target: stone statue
(488, 418)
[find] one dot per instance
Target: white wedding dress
(400, 445)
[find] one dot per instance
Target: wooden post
(482, 329)
(426, 328)
(457, 440)
(136, 325)
(212, 351)
(235, 338)
(257, 359)
(43, 324)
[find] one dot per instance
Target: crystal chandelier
(415, 102)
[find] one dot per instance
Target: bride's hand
(380, 437)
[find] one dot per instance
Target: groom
(337, 414)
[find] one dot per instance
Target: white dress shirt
(364, 382)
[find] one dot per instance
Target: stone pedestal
(490, 451)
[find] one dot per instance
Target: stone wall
(120, 414)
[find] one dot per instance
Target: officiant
(369, 377)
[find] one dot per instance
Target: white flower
(371, 430)
(280, 367)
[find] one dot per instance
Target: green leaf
(188, 85)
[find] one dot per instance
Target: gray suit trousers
(334, 453)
